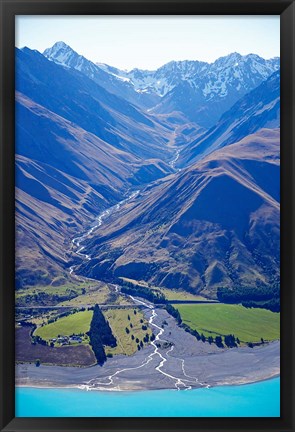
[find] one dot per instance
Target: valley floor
(181, 362)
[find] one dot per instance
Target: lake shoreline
(179, 361)
(75, 387)
(231, 367)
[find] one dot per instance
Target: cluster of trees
(267, 297)
(229, 340)
(100, 334)
(194, 333)
(43, 298)
(140, 345)
(218, 342)
(273, 305)
(174, 312)
(28, 324)
(252, 344)
(145, 339)
(153, 296)
(39, 340)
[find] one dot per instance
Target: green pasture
(76, 323)
(249, 325)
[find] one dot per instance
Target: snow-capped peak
(60, 45)
(60, 53)
(228, 76)
(64, 55)
(233, 72)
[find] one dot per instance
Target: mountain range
(258, 109)
(201, 143)
(201, 91)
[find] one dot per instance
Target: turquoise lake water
(253, 400)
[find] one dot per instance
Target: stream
(180, 383)
(100, 219)
(184, 382)
(174, 160)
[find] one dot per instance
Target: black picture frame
(286, 10)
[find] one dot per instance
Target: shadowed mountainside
(258, 109)
(214, 224)
(82, 147)
(73, 159)
(77, 98)
(201, 91)
(64, 55)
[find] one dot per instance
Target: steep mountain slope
(199, 90)
(214, 224)
(64, 55)
(64, 176)
(160, 81)
(79, 150)
(205, 96)
(72, 95)
(256, 110)
(82, 147)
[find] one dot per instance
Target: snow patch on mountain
(200, 91)
(232, 72)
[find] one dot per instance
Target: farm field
(118, 320)
(249, 325)
(76, 323)
(80, 355)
